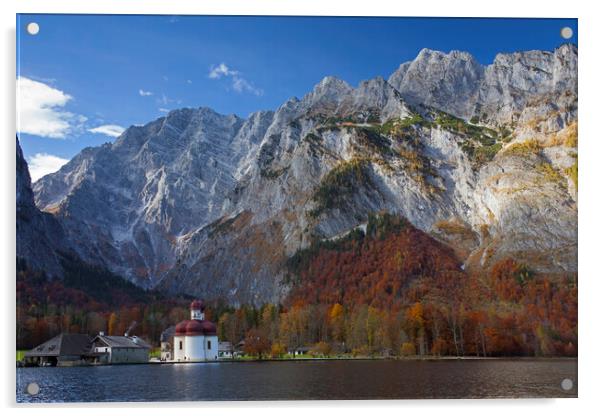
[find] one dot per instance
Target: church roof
(197, 305)
(193, 327)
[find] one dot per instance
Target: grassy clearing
(572, 173)
(397, 127)
(549, 173)
(570, 140)
(566, 137)
(526, 148)
(486, 153)
(480, 143)
(454, 227)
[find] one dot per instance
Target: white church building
(195, 339)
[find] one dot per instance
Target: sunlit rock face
(202, 203)
(516, 87)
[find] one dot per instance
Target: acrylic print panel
(276, 208)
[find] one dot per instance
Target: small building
(299, 351)
(167, 343)
(196, 338)
(121, 349)
(239, 350)
(62, 350)
(225, 350)
(386, 352)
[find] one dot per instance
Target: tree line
(502, 318)
(392, 290)
(497, 316)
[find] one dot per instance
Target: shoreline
(269, 360)
(433, 358)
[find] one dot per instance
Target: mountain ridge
(171, 203)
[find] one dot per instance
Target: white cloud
(40, 110)
(144, 93)
(242, 85)
(189, 81)
(42, 164)
(164, 100)
(221, 70)
(111, 130)
(239, 84)
(164, 110)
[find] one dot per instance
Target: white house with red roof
(195, 339)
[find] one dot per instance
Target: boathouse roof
(61, 345)
(115, 341)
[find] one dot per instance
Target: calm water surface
(299, 380)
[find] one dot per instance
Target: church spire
(197, 310)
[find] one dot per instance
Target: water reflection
(301, 380)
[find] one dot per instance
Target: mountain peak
(331, 85)
(333, 82)
(567, 47)
(327, 94)
(427, 53)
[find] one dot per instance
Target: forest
(392, 290)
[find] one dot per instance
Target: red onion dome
(196, 327)
(181, 328)
(197, 305)
(209, 328)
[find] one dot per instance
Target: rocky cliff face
(40, 237)
(128, 203)
(515, 89)
(483, 158)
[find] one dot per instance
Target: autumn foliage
(421, 297)
(102, 302)
(391, 290)
(390, 267)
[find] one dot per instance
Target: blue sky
(88, 76)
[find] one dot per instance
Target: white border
(464, 8)
(590, 124)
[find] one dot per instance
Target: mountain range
(481, 158)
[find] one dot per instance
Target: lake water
(300, 380)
